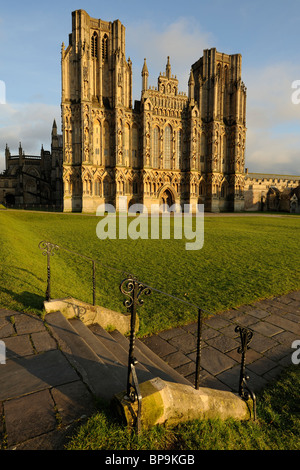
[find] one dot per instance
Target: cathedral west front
(168, 148)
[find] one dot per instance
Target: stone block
(174, 403)
(90, 314)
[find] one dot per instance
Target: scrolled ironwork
(134, 290)
(128, 287)
(48, 248)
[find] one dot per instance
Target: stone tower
(96, 91)
(221, 98)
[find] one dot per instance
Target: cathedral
(168, 148)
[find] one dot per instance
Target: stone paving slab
(73, 402)
(29, 415)
(18, 346)
(34, 373)
(275, 324)
(28, 324)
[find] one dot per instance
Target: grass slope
(243, 259)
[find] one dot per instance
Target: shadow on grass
(27, 299)
(11, 267)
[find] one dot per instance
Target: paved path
(275, 323)
(42, 398)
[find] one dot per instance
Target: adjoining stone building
(268, 192)
(34, 181)
(167, 148)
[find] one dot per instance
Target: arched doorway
(166, 200)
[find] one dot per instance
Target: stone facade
(268, 192)
(34, 181)
(167, 148)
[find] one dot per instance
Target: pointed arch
(155, 147)
(105, 47)
(167, 147)
(94, 45)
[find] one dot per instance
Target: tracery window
(167, 141)
(105, 47)
(97, 142)
(135, 144)
(106, 145)
(155, 147)
(126, 144)
(178, 148)
(94, 45)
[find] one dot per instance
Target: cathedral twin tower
(168, 148)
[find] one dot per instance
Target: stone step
(164, 369)
(116, 367)
(93, 370)
(120, 348)
(154, 364)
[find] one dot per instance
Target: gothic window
(224, 159)
(97, 142)
(226, 74)
(97, 188)
(105, 47)
(155, 147)
(106, 146)
(135, 142)
(179, 148)
(126, 145)
(202, 189)
(94, 45)
(167, 142)
(203, 146)
(224, 190)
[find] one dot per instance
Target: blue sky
(266, 33)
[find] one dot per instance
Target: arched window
(106, 144)
(97, 191)
(105, 47)
(178, 148)
(126, 145)
(135, 146)
(155, 147)
(94, 45)
(167, 141)
(224, 190)
(97, 142)
(203, 146)
(202, 189)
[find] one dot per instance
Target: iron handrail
(133, 289)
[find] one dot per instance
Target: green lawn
(243, 259)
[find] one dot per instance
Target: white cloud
(273, 121)
(183, 41)
(30, 124)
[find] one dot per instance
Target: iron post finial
(245, 392)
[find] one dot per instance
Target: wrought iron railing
(133, 289)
